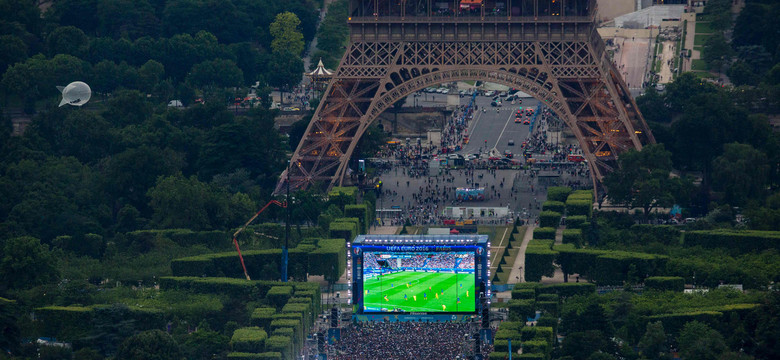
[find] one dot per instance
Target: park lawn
(449, 287)
(699, 40)
(703, 27)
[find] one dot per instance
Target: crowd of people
(436, 261)
(405, 340)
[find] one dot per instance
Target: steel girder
(574, 78)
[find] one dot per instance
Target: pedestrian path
(517, 275)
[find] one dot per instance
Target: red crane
(235, 235)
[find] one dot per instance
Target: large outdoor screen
(419, 282)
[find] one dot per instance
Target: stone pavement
(518, 274)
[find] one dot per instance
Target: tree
(582, 344)
(653, 107)
(149, 345)
(219, 73)
(25, 262)
(150, 75)
(642, 179)
(127, 18)
(742, 173)
(12, 50)
(717, 51)
(697, 341)
(287, 37)
(653, 344)
(67, 40)
(205, 344)
(740, 73)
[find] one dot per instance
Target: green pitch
(420, 291)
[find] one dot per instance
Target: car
(495, 103)
(489, 93)
(518, 120)
(439, 90)
(508, 154)
(526, 121)
(445, 91)
(502, 94)
(511, 143)
(494, 158)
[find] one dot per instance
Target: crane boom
(239, 231)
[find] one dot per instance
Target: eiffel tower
(549, 49)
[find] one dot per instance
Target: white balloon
(76, 93)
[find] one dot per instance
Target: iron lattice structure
(553, 53)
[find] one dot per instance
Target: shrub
(665, 283)
(537, 333)
(254, 356)
(544, 233)
(575, 221)
(520, 310)
(547, 297)
(673, 323)
(65, 322)
(523, 294)
(664, 234)
(360, 212)
(557, 206)
(329, 260)
(346, 230)
(498, 355)
(539, 261)
(565, 290)
(262, 317)
(549, 219)
(250, 339)
(579, 207)
(549, 307)
(739, 241)
(558, 193)
(573, 236)
(281, 344)
(278, 295)
(536, 347)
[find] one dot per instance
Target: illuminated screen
(418, 282)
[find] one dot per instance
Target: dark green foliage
(558, 193)
(278, 295)
(609, 267)
(565, 290)
(739, 241)
(149, 345)
(262, 317)
(556, 206)
(520, 310)
(573, 236)
(539, 260)
(579, 207)
(665, 283)
(525, 294)
(346, 230)
(664, 234)
(549, 219)
(575, 221)
(547, 233)
(537, 333)
(254, 356)
(360, 212)
(536, 347)
(674, 323)
(251, 339)
(547, 307)
(281, 344)
(25, 262)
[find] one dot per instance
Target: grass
(699, 40)
(703, 27)
(704, 75)
(420, 291)
(699, 65)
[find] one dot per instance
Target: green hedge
(253, 356)
(609, 266)
(673, 323)
(579, 207)
(740, 241)
(556, 206)
(548, 297)
(65, 322)
(549, 219)
(498, 355)
(250, 339)
(539, 260)
(278, 295)
(575, 221)
(521, 310)
(361, 212)
(544, 233)
(537, 333)
(329, 260)
(281, 344)
(524, 294)
(558, 193)
(343, 229)
(536, 347)
(262, 317)
(665, 283)
(565, 290)
(573, 236)
(664, 234)
(548, 307)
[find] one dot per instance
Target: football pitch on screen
(411, 291)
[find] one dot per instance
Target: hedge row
(344, 228)
(573, 236)
(608, 267)
(249, 340)
(262, 317)
(360, 212)
(579, 207)
(664, 234)
(557, 206)
(665, 283)
(71, 323)
(558, 193)
(740, 241)
(539, 260)
(237, 288)
(575, 221)
(544, 233)
(328, 259)
(521, 310)
(549, 219)
(254, 356)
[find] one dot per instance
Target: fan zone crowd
(404, 340)
(438, 261)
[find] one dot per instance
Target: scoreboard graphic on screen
(418, 274)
